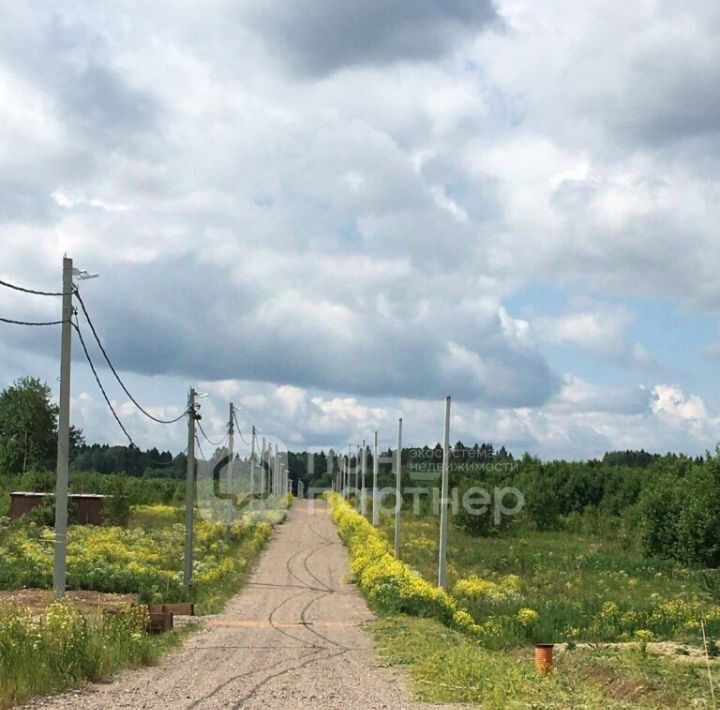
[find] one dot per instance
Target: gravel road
(290, 639)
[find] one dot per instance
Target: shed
(88, 506)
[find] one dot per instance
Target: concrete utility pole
(375, 506)
(442, 566)
(398, 489)
(276, 485)
(252, 465)
(357, 467)
(231, 455)
(271, 469)
(263, 470)
(363, 499)
(63, 444)
(189, 493)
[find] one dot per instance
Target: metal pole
(375, 508)
(63, 443)
(189, 494)
(363, 500)
(442, 566)
(398, 490)
(252, 465)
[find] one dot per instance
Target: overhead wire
(199, 445)
(115, 373)
(238, 429)
(133, 445)
(208, 439)
(76, 325)
(31, 323)
(34, 292)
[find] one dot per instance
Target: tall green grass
(64, 648)
(583, 587)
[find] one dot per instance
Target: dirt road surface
(291, 639)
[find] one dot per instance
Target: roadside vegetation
(446, 666)
(145, 559)
(63, 647)
(66, 645)
(604, 602)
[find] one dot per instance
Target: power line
(32, 323)
(76, 325)
(133, 445)
(30, 290)
(238, 428)
(114, 371)
(197, 441)
(209, 440)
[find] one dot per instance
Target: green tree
(28, 426)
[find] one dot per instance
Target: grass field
(626, 627)
(146, 558)
(582, 587)
(447, 666)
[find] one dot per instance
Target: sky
(336, 214)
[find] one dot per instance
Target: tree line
(670, 503)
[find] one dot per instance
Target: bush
(63, 647)
(680, 517)
(480, 524)
(391, 586)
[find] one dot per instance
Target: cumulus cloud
(322, 210)
(320, 36)
(580, 396)
(601, 330)
(671, 400)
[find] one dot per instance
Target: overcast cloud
(340, 213)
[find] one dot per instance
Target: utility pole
(271, 470)
(363, 499)
(376, 508)
(63, 444)
(442, 566)
(252, 465)
(263, 471)
(357, 467)
(398, 489)
(231, 456)
(189, 493)
(276, 483)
